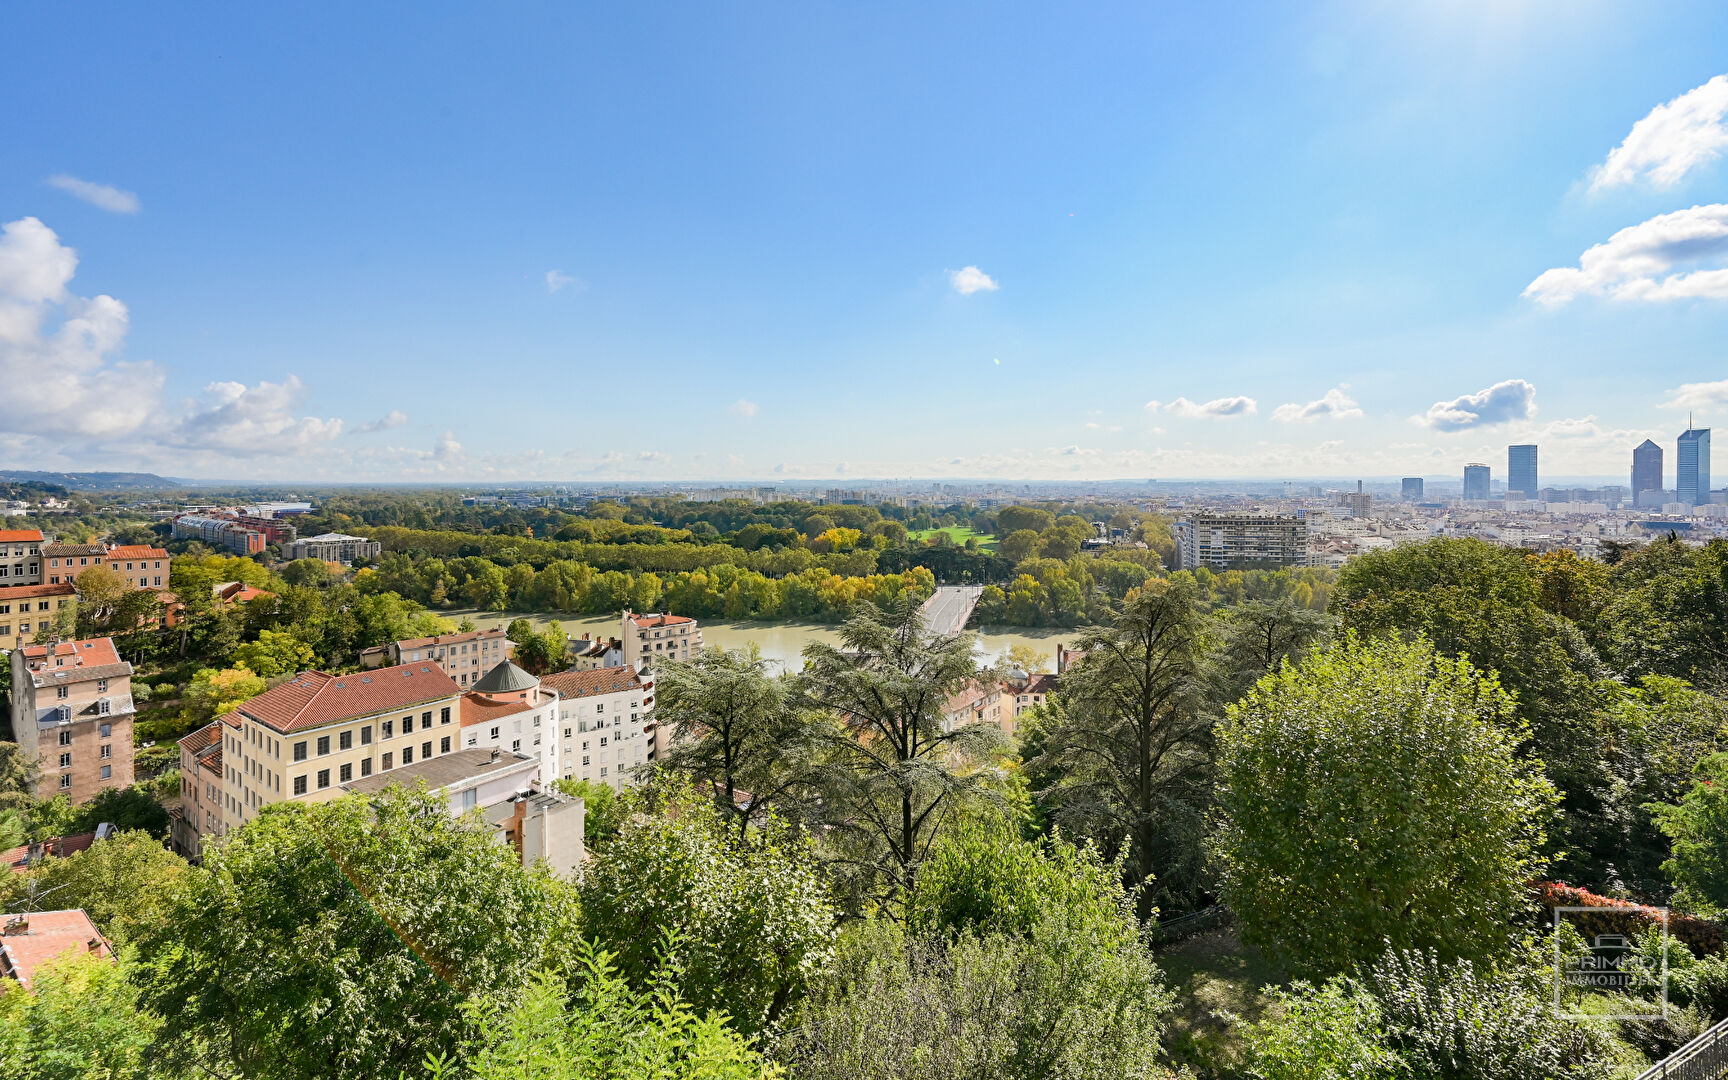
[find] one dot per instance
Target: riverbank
(781, 642)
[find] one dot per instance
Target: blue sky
(754, 241)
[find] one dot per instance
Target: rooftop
(25, 592)
(63, 550)
(331, 538)
(652, 620)
(479, 710)
(89, 653)
(29, 941)
(450, 639)
(18, 859)
(20, 536)
(447, 770)
(575, 684)
(505, 678)
(136, 551)
(314, 698)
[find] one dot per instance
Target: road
(949, 607)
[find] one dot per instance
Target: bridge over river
(949, 607)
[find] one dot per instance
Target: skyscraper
(1521, 469)
(1692, 466)
(1646, 470)
(1412, 489)
(1476, 482)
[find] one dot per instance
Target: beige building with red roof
(651, 638)
(62, 563)
(72, 713)
(30, 941)
(26, 610)
(465, 656)
(142, 566)
(20, 557)
(606, 723)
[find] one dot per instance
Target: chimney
(496, 753)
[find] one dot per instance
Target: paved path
(949, 607)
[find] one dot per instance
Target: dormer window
(103, 706)
(65, 712)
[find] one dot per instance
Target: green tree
(128, 884)
(1329, 1032)
(342, 939)
(750, 925)
(313, 572)
(80, 1020)
(1372, 794)
(1669, 614)
(213, 693)
(603, 811)
(1129, 743)
(1697, 829)
(1012, 519)
(1261, 634)
(274, 655)
(892, 776)
(737, 731)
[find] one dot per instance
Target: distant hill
(98, 481)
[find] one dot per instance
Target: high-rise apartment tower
(1476, 477)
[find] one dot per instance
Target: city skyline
(1027, 247)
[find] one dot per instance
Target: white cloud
(970, 279)
(98, 195)
(1216, 409)
(59, 352)
(1096, 426)
(395, 418)
(240, 419)
(742, 408)
(1504, 402)
(1698, 395)
(1334, 404)
(557, 280)
(1684, 134)
(1668, 257)
(447, 448)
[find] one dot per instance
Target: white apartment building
(651, 638)
(606, 722)
(509, 710)
(1225, 541)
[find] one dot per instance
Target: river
(783, 642)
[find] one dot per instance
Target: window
(300, 750)
(366, 735)
(601, 707)
(407, 755)
(59, 691)
(300, 785)
(107, 750)
(66, 780)
(444, 715)
(516, 746)
(602, 770)
(345, 741)
(389, 728)
(426, 749)
(101, 686)
(407, 724)
(107, 772)
(536, 721)
(65, 761)
(472, 740)
(444, 745)
(105, 729)
(323, 778)
(104, 707)
(66, 737)
(388, 763)
(602, 740)
(426, 719)
(323, 745)
(584, 759)
(470, 799)
(366, 766)
(345, 773)
(494, 733)
(566, 733)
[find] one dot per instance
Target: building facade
(1477, 481)
(1692, 467)
(72, 715)
(465, 657)
(333, 547)
(1240, 541)
(651, 638)
(26, 610)
(142, 566)
(508, 710)
(62, 563)
(1521, 470)
(1410, 489)
(20, 557)
(224, 533)
(606, 722)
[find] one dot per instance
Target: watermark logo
(1609, 966)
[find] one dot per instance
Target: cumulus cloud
(240, 419)
(1674, 139)
(1335, 405)
(395, 418)
(968, 280)
(1673, 256)
(58, 351)
(1504, 402)
(742, 408)
(99, 195)
(1096, 426)
(1216, 409)
(447, 448)
(1698, 395)
(557, 280)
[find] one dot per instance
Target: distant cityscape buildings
(1647, 473)
(1476, 477)
(1412, 489)
(1240, 541)
(1692, 466)
(1521, 470)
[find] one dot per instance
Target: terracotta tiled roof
(52, 934)
(314, 698)
(63, 550)
(451, 639)
(609, 680)
(83, 653)
(1041, 684)
(20, 536)
(136, 551)
(59, 846)
(479, 710)
(649, 622)
(26, 592)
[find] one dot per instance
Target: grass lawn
(959, 534)
(1211, 973)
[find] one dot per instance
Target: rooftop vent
(365, 678)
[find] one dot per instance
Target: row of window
(66, 778)
(18, 569)
(345, 772)
(386, 730)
